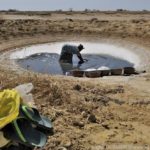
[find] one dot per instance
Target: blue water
(48, 63)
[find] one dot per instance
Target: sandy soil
(101, 113)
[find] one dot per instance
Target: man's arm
(80, 57)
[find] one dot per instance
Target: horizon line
(74, 10)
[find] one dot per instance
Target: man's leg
(65, 58)
(66, 67)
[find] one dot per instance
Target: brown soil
(100, 113)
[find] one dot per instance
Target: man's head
(80, 47)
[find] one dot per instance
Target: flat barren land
(87, 114)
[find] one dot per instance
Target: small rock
(66, 142)
(77, 87)
(123, 124)
(105, 126)
(84, 114)
(62, 148)
(71, 20)
(78, 124)
(92, 118)
(58, 113)
(135, 142)
(43, 105)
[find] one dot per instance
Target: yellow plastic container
(9, 106)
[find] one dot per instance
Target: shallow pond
(44, 58)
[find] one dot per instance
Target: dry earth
(87, 114)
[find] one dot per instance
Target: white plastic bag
(24, 91)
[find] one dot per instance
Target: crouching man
(68, 51)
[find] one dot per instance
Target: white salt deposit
(103, 68)
(90, 48)
(90, 69)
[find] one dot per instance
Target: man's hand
(80, 62)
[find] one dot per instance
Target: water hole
(44, 58)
